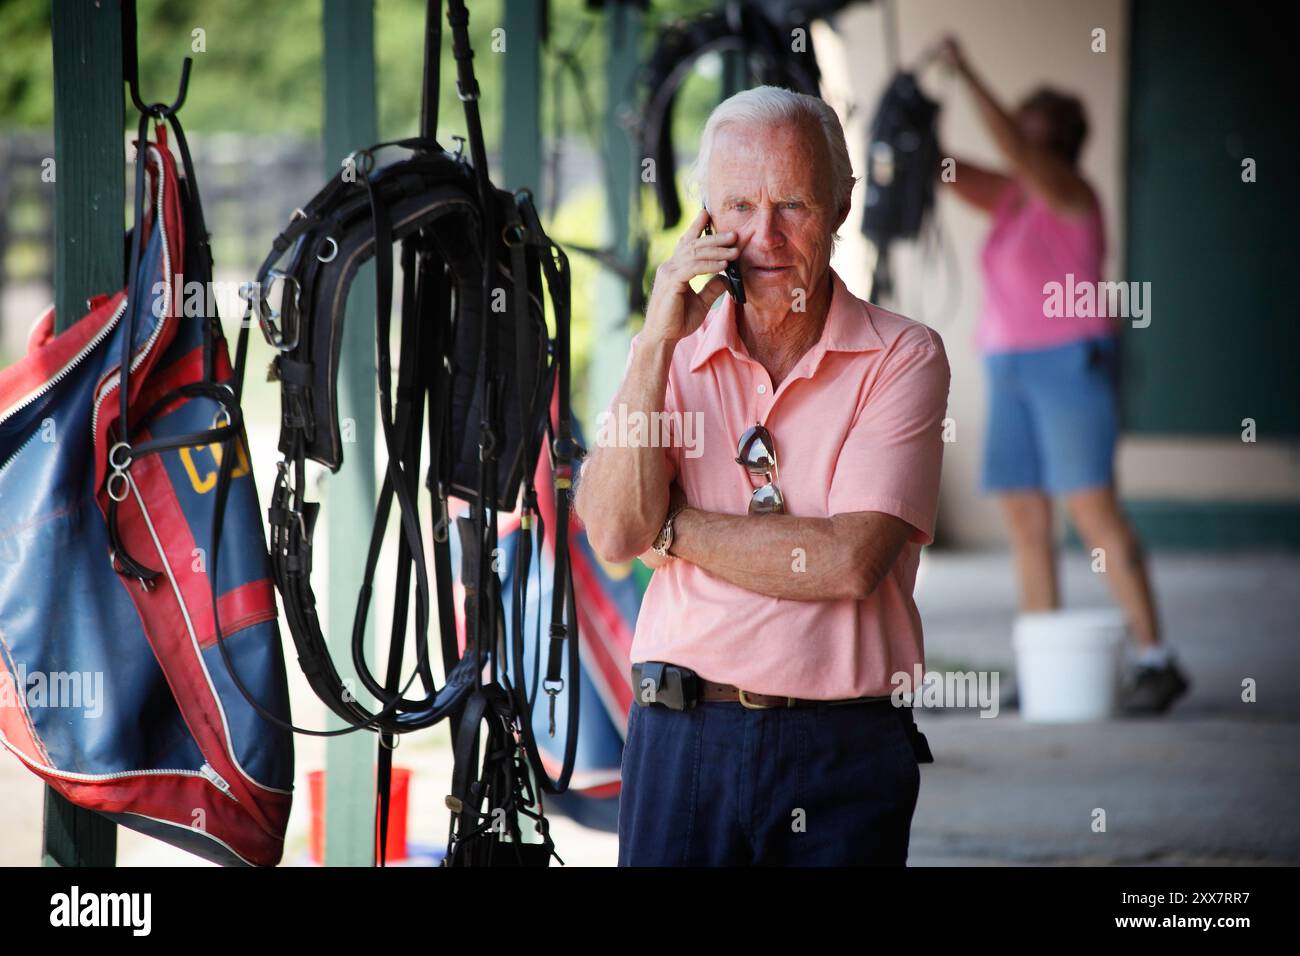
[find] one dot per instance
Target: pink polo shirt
(858, 427)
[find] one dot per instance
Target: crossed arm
(800, 559)
(624, 494)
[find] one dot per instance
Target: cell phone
(732, 273)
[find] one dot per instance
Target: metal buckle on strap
(444, 521)
(119, 465)
(295, 508)
(514, 234)
(553, 689)
(350, 160)
(146, 584)
(749, 705)
(267, 317)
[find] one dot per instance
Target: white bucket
(1068, 664)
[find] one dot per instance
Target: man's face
(772, 185)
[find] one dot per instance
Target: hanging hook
(131, 69)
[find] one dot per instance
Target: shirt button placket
(760, 402)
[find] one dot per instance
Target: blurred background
(1178, 96)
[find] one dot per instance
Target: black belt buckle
(665, 685)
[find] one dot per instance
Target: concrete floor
(1212, 782)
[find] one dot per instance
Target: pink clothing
(858, 427)
(1029, 246)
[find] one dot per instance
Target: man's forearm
(622, 495)
(799, 559)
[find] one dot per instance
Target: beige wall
(1016, 45)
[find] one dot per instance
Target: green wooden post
(521, 132)
(735, 73)
(89, 196)
(350, 503)
(623, 171)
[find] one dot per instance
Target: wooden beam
(89, 199)
(611, 336)
(521, 132)
(735, 73)
(349, 124)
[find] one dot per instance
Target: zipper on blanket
(217, 780)
(18, 451)
(62, 373)
(99, 337)
(206, 772)
(115, 377)
(59, 376)
(69, 775)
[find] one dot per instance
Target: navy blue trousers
(721, 785)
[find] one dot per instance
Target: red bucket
(398, 803)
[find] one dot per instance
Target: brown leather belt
(727, 692)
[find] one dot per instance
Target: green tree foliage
(260, 73)
(26, 70)
(260, 69)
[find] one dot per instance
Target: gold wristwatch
(665, 539)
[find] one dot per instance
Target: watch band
(665, 539)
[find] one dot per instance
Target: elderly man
(786, 544)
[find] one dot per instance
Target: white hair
(765, 105)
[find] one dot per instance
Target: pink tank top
(1029, 248)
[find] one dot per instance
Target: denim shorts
(1053, 418)
(719, 785)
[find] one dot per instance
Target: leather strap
(763, 37)
(520, 223)
(432, 65)
(712, 691)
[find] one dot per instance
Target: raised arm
(622, 494)
(982, 188)
(1042, 172)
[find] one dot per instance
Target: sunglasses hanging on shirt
(757, 452)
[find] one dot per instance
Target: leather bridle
(476, 382)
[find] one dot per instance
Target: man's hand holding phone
(735, 285)
(675, 310)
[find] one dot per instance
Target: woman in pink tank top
(1032, 245)
(1051, 358)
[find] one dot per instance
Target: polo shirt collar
(848, 328)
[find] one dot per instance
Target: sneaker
(1154, 689)
(1009, 698)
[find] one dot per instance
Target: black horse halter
(476, 380)
(761, 31)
